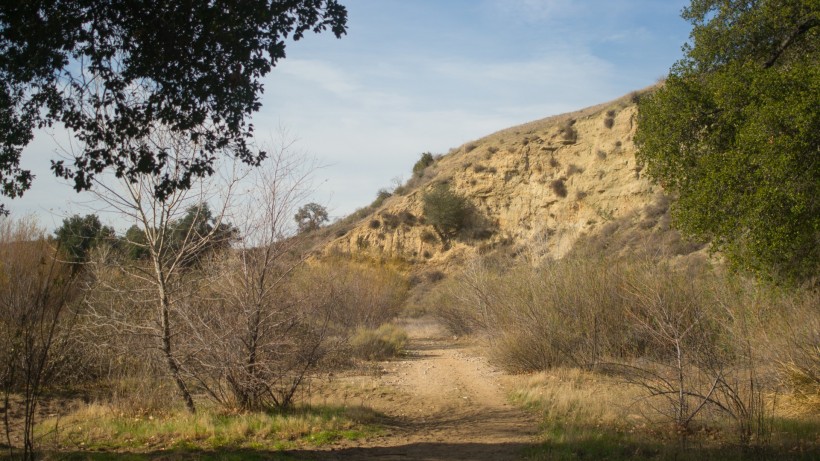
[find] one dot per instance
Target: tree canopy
(78, 235)
(111, 72)
(310, 217)
(733, 133)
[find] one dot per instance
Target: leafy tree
(310, 217)
(423, 162)
(113, 71)
(199, 224)
(445, 210)
(135, 244)
(80, 234)
(733, 132)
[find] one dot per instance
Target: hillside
(537, 187)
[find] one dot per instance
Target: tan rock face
(538, 186)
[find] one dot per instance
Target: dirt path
(442, 402)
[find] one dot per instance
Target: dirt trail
(442, 402)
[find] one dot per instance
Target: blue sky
(427, 75)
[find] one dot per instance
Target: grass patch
(593, 416)
(100, 427)
(381, 343)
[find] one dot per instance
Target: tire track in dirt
(442, 402)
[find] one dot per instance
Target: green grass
(99, 428)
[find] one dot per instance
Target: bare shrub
(36, 288)
(175, 233)
(354, 294)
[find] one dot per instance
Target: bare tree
(262, 337)
(172, 233)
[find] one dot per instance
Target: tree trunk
(167, 347)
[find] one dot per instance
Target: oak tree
(111, 72)
(733, 133)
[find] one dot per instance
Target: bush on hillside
(422, 164)
(445, 210)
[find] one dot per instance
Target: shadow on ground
(441, 451)
(432, 451)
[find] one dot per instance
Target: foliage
(381, 196)
(424, 161)
(310, 217)
(80, 234)
(445, 210)
(381, 343)
(134, 243)
(112, 74)
(733, 133)
(199, 224)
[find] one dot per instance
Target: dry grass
(385, 342)
(591, 416)
(736, 351)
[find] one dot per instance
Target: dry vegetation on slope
(539, 186)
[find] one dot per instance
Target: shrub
(568, 133)
(381, 196)
(445, 210)
(428, 237)
(559, 187)
(609, 122)
(424, 161)
(353, 294)
(573, 168)
(492, 149)
(385, 342)
(391, 221)
(375, 224)
(407, 217)
(470, 147)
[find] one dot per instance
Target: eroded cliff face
(538, 187)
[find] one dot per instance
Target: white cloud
(370, 128)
